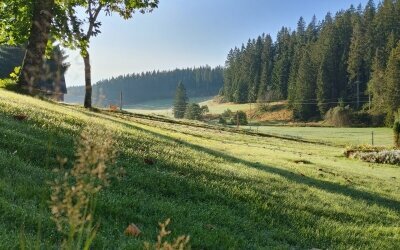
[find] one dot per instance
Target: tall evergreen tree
(377, 85)
(284, 48)
(267, 58)
(327, 47)
(392, 79)
(368, 22)
(181, 101)
(349, 54)
(357, 66)
(304, 105)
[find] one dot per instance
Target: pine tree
(392, 79)
(326, 93)
(356, 62)
(282, 62)
(349, 56)
(368, 20)
(181, 101)
(304, 106)
(267, 58)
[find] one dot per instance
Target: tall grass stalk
(180, 243)
(73, 196)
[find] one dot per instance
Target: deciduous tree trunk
(32, 67)
(88, 81)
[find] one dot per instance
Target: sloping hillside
(224, 189)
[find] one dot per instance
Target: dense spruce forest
(343, 60)
(155, 85)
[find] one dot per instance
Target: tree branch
(92, 20)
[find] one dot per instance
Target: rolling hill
(227, 189)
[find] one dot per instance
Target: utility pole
(358, 94)
(237, 119)
(251, 115)
(369, 101)
(120, 101)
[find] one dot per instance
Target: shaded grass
(226, 190)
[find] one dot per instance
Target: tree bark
(32, 66)
(88, 81)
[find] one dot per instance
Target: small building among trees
(52, 84)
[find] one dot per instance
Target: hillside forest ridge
(347, 59)
(150, 86)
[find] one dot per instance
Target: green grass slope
(224, 189)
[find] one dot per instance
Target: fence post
(237, 120)
(372, 138)
(120, 101)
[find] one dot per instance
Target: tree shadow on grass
(369, 198)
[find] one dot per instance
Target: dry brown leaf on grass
(149, 161)
(20, 117)
(132, 230)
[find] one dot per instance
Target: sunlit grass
(225, 190)
(339, 136)
(219, 108)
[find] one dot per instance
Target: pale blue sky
(187, 33)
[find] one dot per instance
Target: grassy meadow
(337, 136)
(159, 107)
(164, 107)
(226, 190)
(219, 108)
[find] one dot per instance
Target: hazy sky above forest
(187, 33)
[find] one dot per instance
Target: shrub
(204, 109)
(8, 84)
(374, 154)
(361, 118)
(263, 107)
(350, 151)
(242, 117)
(384, 157)
(233, 117)
(227, 113)
(339, 116)
(345, 116)
(222, 121)
(377, 120)
(193, 112)
(396, 133)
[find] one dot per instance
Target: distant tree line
(342, 60)
(155, 85)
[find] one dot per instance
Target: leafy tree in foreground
(80, 38)
(27, 22)
(181, 101)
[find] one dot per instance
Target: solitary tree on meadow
(181, 101)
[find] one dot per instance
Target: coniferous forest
(155, 85)
(349, 59)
